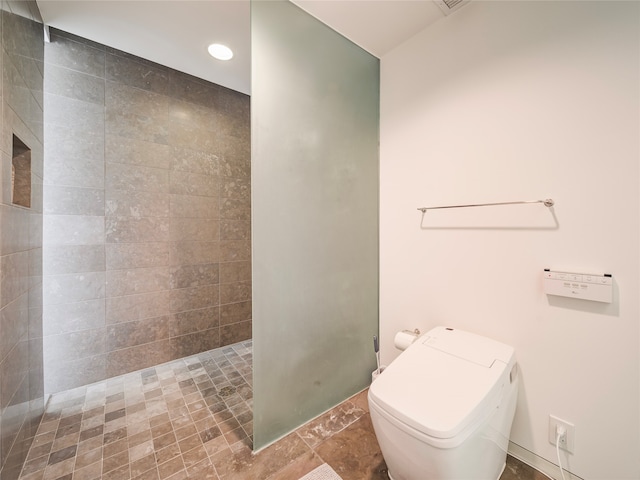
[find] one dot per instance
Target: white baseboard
(543, 465)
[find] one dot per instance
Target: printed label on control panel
(598, 288)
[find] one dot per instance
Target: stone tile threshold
(192, 418)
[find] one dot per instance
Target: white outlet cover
(554, 422)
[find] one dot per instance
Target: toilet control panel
(585, 286)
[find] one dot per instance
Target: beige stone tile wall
(147, 214)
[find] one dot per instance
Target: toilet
(443, 409)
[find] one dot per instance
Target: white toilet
(443, 409)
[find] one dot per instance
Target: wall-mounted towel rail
(547, 203)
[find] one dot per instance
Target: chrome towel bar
(547, 203)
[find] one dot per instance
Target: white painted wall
(515, 101)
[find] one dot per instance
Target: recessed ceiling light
(219, 51)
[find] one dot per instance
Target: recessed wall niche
(21, 174)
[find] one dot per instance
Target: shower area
(147, 210)
(183, 235)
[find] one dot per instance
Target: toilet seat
(444, 385)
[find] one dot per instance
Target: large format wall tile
(137, 127)
(70, 374)
(235, 313)
(239, 188)
(126, 100)
(76, 54)
(15, 365)
(190, 253)
(191, 206)
(194, 321)
(235, 332)
(73, 229)
(36, 234)
(235, 272)
(235, 250)
(130, 334)
(191, 115)
(136, 178)
(235, 292)
(195, 229)
(190, 183)
(137, 280)
(136, 307)
(35, 267)
(137, 203)
(141, 356)
(14, 235)
(74, 345)
(137, 152)
(66, 318)
(14, 323)
(63, 259)
(196, 91)
(235, 209)
(20, 35)
(71, 162)
(136, 229)
(5, 169)
(73, 84)
(190, 344)
(185, 136)
(235, 229)
(191, 298)
(16, 93)
(14, 276)
(124, 70)
(196, 161)
(64, 200)
(136, 255)
(76, 287)
(235, 160)
(194, 275)
(76, 116)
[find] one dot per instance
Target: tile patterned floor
(192, 418)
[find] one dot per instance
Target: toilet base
(482, 456)
(501, 472)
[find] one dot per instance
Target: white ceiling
(378, 26)
(176, 33)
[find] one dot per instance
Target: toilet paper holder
(405, 338)
(415, 331)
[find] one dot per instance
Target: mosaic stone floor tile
(159, 423)
(193, 419)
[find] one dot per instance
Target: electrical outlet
(567, 442)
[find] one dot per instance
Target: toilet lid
(442, 384)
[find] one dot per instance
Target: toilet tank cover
(445, 382)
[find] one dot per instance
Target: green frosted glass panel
(315, 124)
